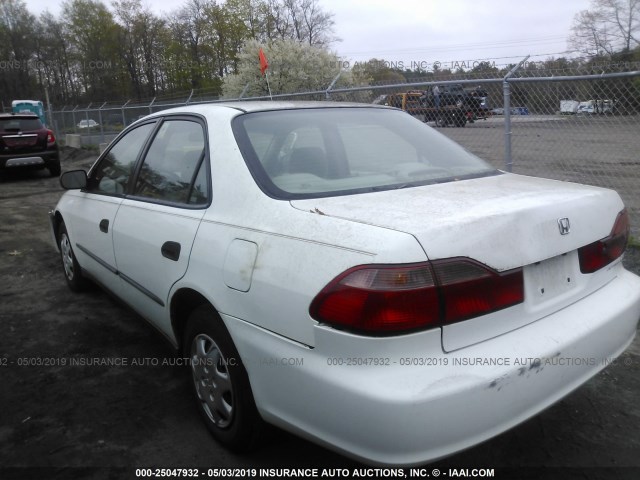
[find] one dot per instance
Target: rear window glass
(310, 153)
(20, 124)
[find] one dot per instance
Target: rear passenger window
(174, 169)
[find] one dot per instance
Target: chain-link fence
(567, 125)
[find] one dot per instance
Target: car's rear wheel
(72, 271)
(54, 169)
(220, 382)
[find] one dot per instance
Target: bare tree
(310, 23)
(301, 20)
(606, 27)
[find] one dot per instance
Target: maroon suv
(26, 143)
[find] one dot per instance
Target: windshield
(310, 153)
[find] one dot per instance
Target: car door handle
(171, 250)
(104, 225)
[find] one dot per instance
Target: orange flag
(263, 62)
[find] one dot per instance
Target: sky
(418, 33)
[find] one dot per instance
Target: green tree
(192, 57)
(377, 72)
(228, 34)
(17, 46)
(92, 35)
(54, 62)
(140, 44)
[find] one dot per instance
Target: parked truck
(455, 107)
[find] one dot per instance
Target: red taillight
(380, 298)
(470, 289)
(398, 298)
(601, 253)
(51, 139)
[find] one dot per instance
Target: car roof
(263, 106)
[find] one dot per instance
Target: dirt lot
(83, 421)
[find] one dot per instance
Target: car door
(157, 223)
(91, 218)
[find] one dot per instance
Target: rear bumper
(412, 411)
(31, 159)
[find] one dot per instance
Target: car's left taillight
(51, 139)
(599, 254)
(392, 299)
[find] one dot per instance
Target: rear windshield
(309, 153)
(19, 124)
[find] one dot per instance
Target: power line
(468, 46)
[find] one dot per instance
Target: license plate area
(551, 278)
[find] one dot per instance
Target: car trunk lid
(20, 141)
(505, 222)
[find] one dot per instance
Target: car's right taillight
(599, 254)
(51, 139)
(391, 299)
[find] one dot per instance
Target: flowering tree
(293, 67)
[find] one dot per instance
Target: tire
(70, 266)
(54, 169)
(220, 382)
(460, 120)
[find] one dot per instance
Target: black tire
(54, 169)
(220, 382)
(460, 120)
(441, 120)
(70, 266)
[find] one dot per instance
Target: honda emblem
(564, 226)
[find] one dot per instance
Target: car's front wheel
(72, 271)
(220, 382)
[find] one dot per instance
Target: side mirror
(73, 180)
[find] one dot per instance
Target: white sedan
(88, 124)
(347, 273)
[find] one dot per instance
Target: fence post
(100, 121)
(150, 105)
(73, 115)
(124, 120)
(506, 93)
(331, 85)
(64, 124)
(189, 99)
(86, 116)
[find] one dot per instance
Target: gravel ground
(82, 421)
